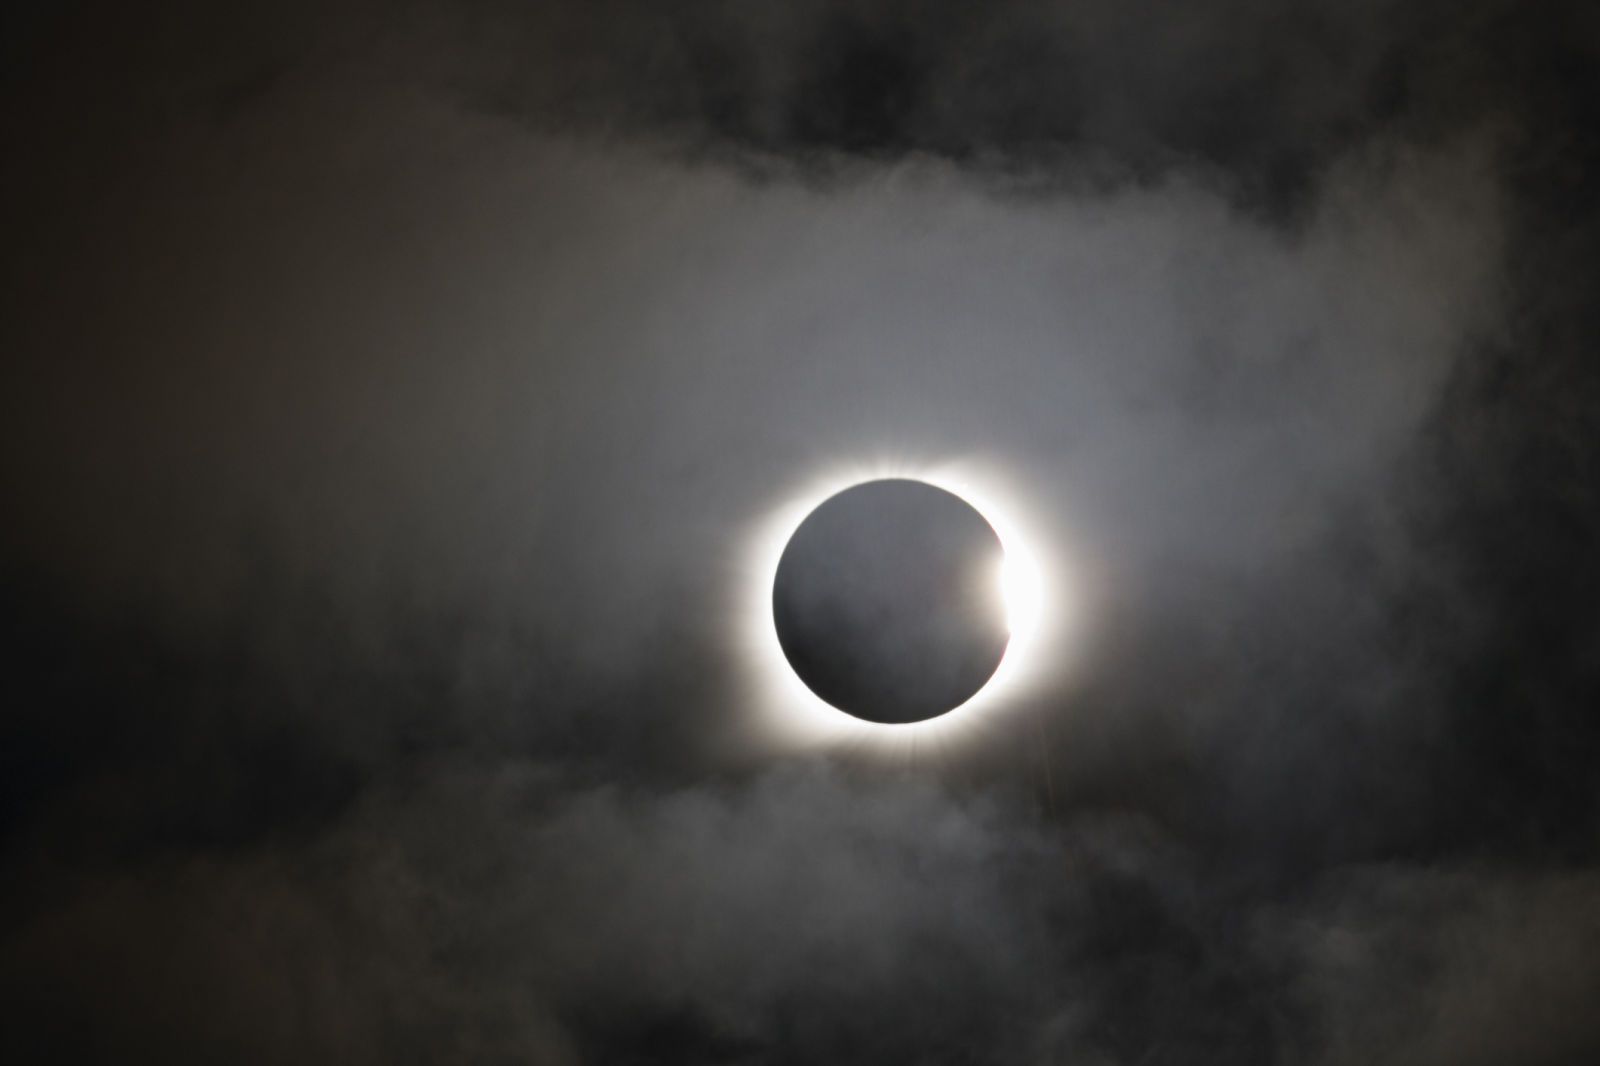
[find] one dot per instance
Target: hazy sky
(390, 395)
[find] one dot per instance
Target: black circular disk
(887, 601)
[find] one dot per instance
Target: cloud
(394, 394)
(498, 914)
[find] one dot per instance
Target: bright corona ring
(888, 606)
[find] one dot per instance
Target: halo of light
(789, 713)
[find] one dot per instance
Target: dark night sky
(389, 394)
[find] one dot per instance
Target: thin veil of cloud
(392, 397)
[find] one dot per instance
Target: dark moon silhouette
(887, 601)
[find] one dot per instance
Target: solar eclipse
(887, 604)
(888, 601)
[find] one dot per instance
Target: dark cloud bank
(388, 392)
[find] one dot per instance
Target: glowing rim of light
(792, 714)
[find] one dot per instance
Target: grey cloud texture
(393, 394)
(494, 915)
